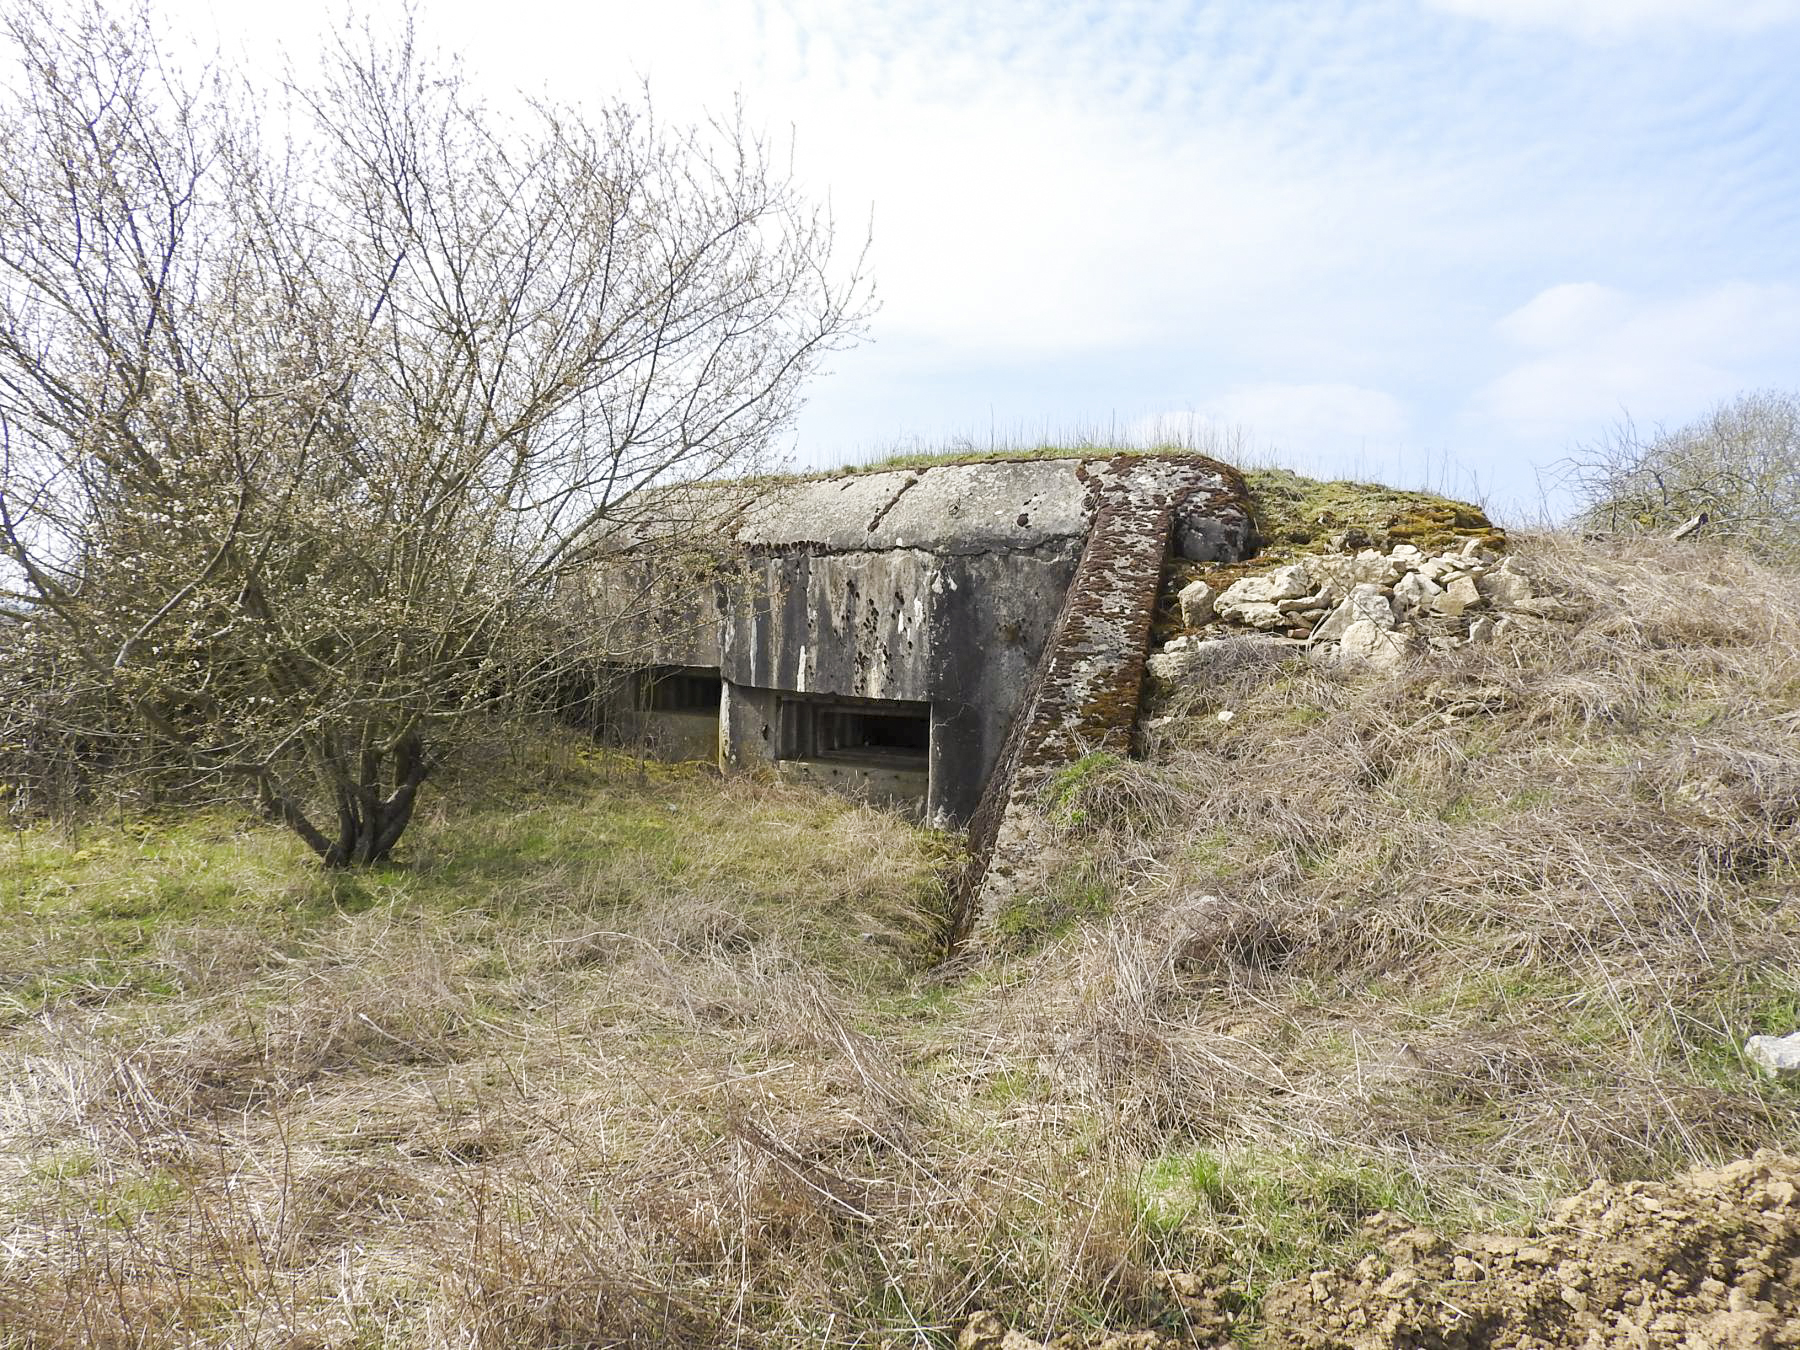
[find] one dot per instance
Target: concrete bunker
(915, 636)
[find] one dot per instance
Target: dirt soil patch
(1710, 1261)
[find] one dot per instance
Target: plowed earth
(1710, 1261)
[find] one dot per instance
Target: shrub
(1738, 468)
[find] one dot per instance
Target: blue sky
(1408, 239)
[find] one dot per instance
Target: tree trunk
(369, 822)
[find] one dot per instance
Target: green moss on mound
(1306, 515)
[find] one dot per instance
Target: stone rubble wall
(1366, 609)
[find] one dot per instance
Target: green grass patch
(1065, 795)
(84, 918)
(130, 1200)
(1265, 1213)
(68, 1164)
(1077, 892)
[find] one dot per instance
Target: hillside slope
(618, 1057)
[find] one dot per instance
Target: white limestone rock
(1415, 591)
(1366, 603)
(1169, 667)
(1290, 582)
(1198, 604)
(1458, 597)
(1367, 643)
(1506, 587)
(1244, 591)
(1267, 588)
(1777, 1056)
(1436, 569)
(1259, 616)
(1255, 601)
(1339, 574)
(1321, 599)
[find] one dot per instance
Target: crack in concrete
(901, 491)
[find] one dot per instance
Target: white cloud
(1589, 353)
(1026, 205)
(1564, 316)
(1614, 18)
(1326, 421)
(1089, 205)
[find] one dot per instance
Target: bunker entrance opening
(672, 712)
(880, 734)
(874, 749)
(679, 689)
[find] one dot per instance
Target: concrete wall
(652, 614)
(902, 788)
(962, 633)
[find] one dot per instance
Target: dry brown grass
(619, 1062)
(1501, 919)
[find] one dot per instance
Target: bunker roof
(992, 506)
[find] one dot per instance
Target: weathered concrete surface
(655, 614)
(881, 784)
(1085, 694)
(934, 585)
(996, 506)
(962, 632)
(902, 624)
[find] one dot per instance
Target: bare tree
(301, 434)
(1733, 475)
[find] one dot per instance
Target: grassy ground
(450, 1101)
(617, 1058)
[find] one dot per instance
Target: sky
(1432, 242)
